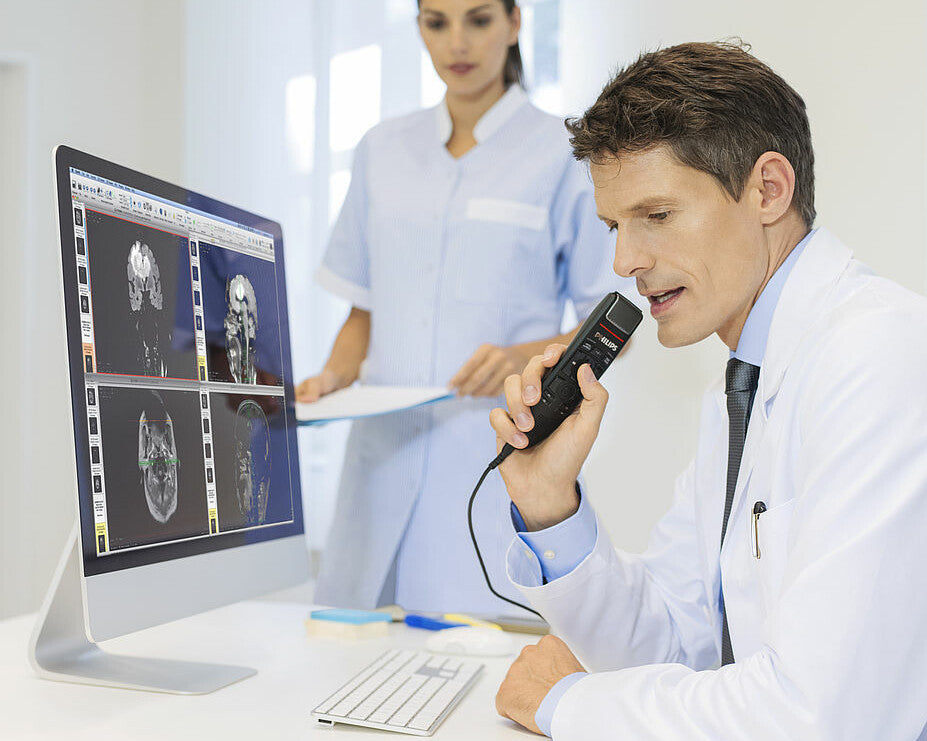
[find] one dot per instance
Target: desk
(295, 673)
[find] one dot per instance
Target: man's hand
(536, 670)
(541, 480)
(487, 368)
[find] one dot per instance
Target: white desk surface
(295, 673)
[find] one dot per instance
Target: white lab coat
(829, 626)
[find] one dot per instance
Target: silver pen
(758, 509)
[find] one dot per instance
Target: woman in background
(465, 229)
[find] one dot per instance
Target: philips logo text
(605, 341)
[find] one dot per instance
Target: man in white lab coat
(795, 557)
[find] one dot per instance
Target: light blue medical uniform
(448, 254)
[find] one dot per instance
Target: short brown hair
(717, 107)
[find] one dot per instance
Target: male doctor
(794, 553)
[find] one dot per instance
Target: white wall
(238, 141)
(247, 139)
(101, 75)
(109, 77)
(862, 70)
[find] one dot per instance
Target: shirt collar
(751, 347)
(490, 122)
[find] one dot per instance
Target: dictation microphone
(597, 342)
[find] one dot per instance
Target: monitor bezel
(92, 565)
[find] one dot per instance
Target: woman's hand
(343, 364)
(317, 386)
(541, 480)
(486, 370)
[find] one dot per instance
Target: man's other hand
(536, 670)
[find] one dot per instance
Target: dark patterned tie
(740, 387)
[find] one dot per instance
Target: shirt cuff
(561, 547)
(545, 714)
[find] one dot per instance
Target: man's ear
(773, 180)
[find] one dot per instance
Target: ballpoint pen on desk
(509, 624)
(433, 621)
(429, 623)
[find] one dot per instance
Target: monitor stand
(60, 650)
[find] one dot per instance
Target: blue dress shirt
(751, 347)
(557, 550)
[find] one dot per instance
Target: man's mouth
(662, 301)
(660, 298)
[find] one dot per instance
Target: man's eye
(481, 21)
(658, 216)
(434, 25)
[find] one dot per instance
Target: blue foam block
(353, 617)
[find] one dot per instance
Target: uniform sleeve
(585, 248)
(345, 268)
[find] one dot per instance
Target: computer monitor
(186, 472)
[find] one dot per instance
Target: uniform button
(528, 551)
(549, 554)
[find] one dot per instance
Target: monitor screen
(182, 389)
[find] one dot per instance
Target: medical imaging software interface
(183, 369)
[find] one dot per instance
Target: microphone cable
(495, 462)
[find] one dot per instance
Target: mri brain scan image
(252, 462)
(157, 458)
(145, 303)
(241, 328)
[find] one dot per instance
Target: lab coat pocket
(772, 537)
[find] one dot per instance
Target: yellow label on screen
(102, 537)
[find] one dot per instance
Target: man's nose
(631, 257)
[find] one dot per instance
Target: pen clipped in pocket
(769, 534)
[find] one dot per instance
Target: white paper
(365, 401)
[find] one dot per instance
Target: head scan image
(241, 328)
(146, 302)
(157, 458)
(252, 462)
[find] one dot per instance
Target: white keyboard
(405, 691)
